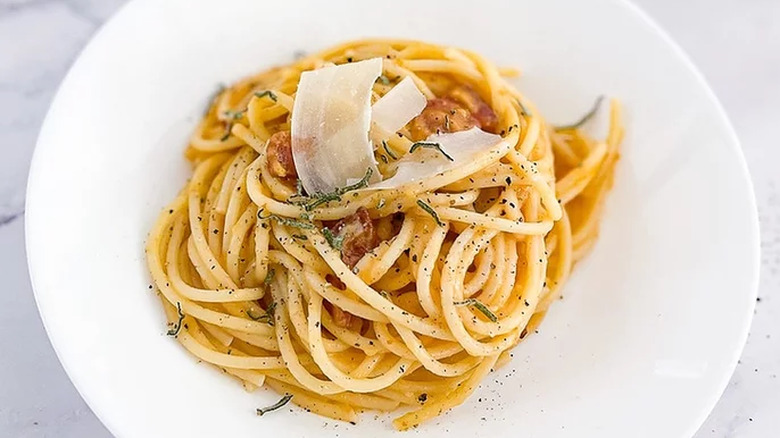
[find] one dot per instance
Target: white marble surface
(736, 43)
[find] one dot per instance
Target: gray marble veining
(735, 43)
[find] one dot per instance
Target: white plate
(653, 320)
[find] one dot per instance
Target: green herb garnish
(299, 190)
(228, 128)
(267, 317)
(388, 151)
(589, 115)
(290, 222)
(335, 241)
(234, 115)
(278, 405)
(383, 79)
(311, 202)
(176, 327)
(269, 277)
(268, 93)
(479, 306)
(428, 209)
(430, 145)
(299, 237)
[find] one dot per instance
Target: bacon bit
(340, 317)
(441, 115)
(397, 222)
(279, 156)
(479, 109)
(461, 109)
(335, 282)
(359, 235)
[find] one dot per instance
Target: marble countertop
(735, 43)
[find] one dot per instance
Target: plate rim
(716, 391)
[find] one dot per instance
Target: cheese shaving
(396, 108)
(459, 148)
(330, 122)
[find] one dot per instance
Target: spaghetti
(365, 298)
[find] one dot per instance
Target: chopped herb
(430, 145)
(269, 277)
(268, 93)
(299, 191)
(278, 405)
(176, 327)
(228, 128)
(299, 237)
(335, 241)
(428, 209)
(317, 199)
(479, 306)
(389, 152)
(290, 222)
(383, 79)
(589, 115)
(267, 317)
(234, 115)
